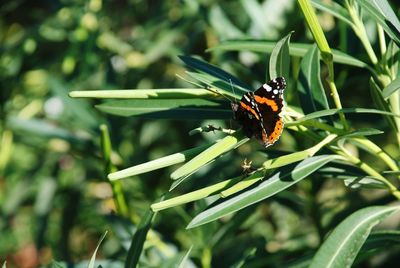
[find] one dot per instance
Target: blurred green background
(55, 201)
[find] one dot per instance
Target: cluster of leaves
(321, 149)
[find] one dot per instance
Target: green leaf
(136, 247)
(334, 9)
(157, 163)
(195, 195)
(212, 70)
(167, 93)
(280, 181)
(364, 182)
(380, 102)
(250, 253)
(391, 88)
(206, 156)
(279, 61)
(311, 92)
(222, 25)
(45, 129)
(382, 239)
(392, 58)
(384, 17)
(343, 244)
(93, 258)
(169, 108)
(182, 263)
(390, 16)
(362, 133)
(337, 111)
(295, 49)
(223, 87)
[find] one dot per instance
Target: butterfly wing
(269, 99)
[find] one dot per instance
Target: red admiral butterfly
(258, 112)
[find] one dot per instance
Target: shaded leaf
(343, 244)
(169, 108)
(380, 102)
(311, 92)
(391, 88)
(212, 70)
(136, 247)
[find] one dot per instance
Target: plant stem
(335, 94)
(377, 151)
(360, 31)
(381, 37)
(120, 202)
(369, 170)
(326, 53)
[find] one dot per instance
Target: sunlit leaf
(271, 186)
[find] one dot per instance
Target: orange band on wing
(248, 108)
(270, 103)
(277, 131)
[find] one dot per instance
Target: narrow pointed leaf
(311, 92)
(295, 49)
(337, 111)
(391, 88)
(212, 70)
(138, 239)
(93, 258)
(223, 87)
(343, 244)
(334, 9)
(193, 196)
(381, 103)
(182, 262)
(169, 108)
(206, 156)
(271, 186)
(279, 61)
(168, 93)
(157, 163)
(385, 20)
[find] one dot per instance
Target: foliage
(72, 169)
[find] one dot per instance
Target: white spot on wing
(275, 91)
(267, 87)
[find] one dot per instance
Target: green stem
(335, 94)
(382, 40)
(369, 170)
(377, 151)
(118, 193)
(326, 53)
(5, 149)
(360, 31)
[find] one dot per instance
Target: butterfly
(258, 112)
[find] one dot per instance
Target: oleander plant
(122, 145)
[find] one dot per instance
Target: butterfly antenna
(216, 91)
(233, 89)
